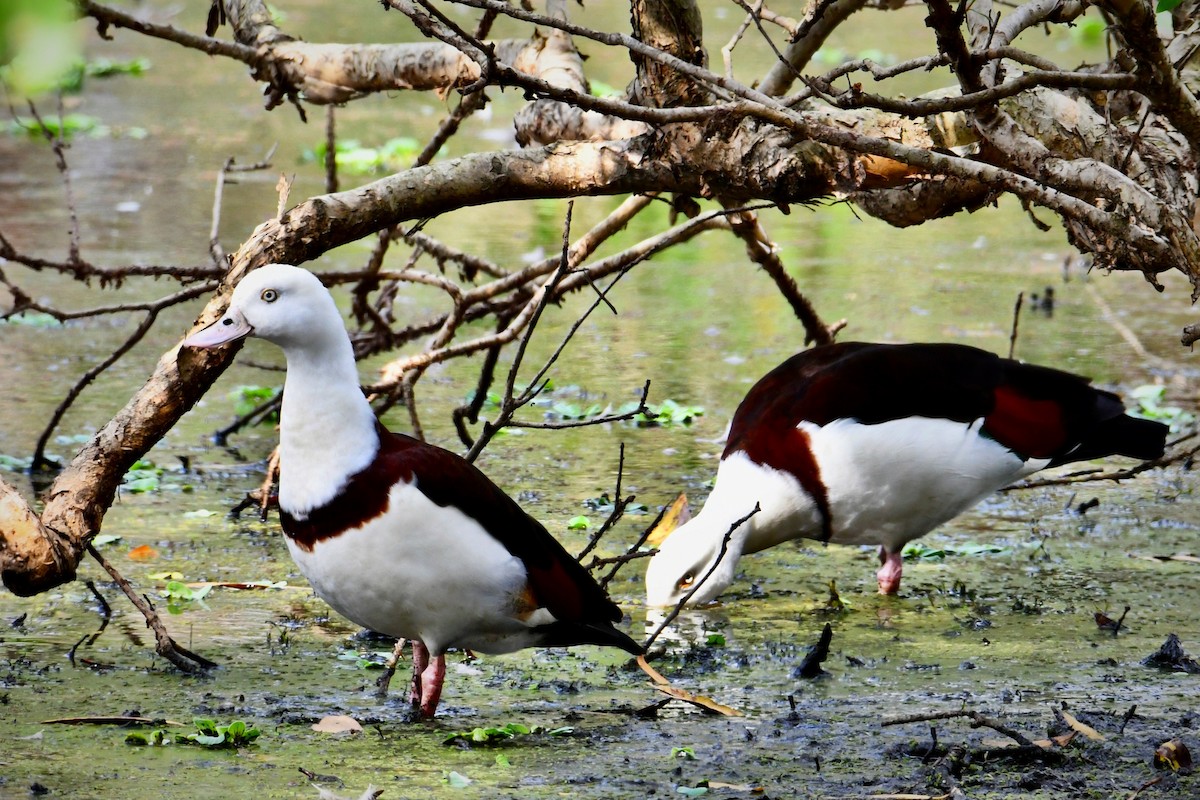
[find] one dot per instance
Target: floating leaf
(580, 523)
(210, 734)
(143, 552)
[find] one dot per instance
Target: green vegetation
(1150, 398)
(505, 733)
(354, 158)
(208, 734)
(247, 398)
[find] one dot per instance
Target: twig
(165, 646)
(1087, 476)
(253, 417)
(40, 461)
(1012, 337)
(60, 160)
(977, 721)
(632, 553)
(389, 669)
(696, 586)
(747, 227)
(214, 241)
(331, 176)
(619, 504)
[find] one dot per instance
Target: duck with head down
(878, 444)
(399, 536)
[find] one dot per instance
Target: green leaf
(580, 523)
(502, 760)
(209, 734)
(1167, 5)
(683, 752)
(715, 640)
(247, 398)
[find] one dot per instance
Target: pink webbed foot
(431, 685)
(890, 567)
(428, 676)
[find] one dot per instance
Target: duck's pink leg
(420, 660)
(431, 684)
(890, 567)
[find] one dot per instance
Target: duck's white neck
(327, 428)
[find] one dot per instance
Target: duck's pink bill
(226, 329)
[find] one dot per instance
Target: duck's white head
(280, 303)
(685, 558)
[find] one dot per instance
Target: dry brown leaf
(1045, 744)
(1173, 754)
(700, 701)
(654, 674)
(337, 723)
(677, 513)
(1085, 729)
(736, 787)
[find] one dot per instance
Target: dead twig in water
(1012, 336)
(1115, 475)
(977, 721)
(632, 553)
(165, 646)
(619, 503)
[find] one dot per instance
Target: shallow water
(1010, 633)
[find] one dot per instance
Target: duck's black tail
(569, 634)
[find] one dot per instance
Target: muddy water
(1009, 632)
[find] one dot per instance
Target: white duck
(860, 443)
(401, 537)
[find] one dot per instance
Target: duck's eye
(269, 295)
(687, 580)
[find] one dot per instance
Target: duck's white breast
(891, 482)
(422, 571)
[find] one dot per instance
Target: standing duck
(878, 444)
(399, 536)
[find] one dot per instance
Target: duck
(863, 443)
(396, 535)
